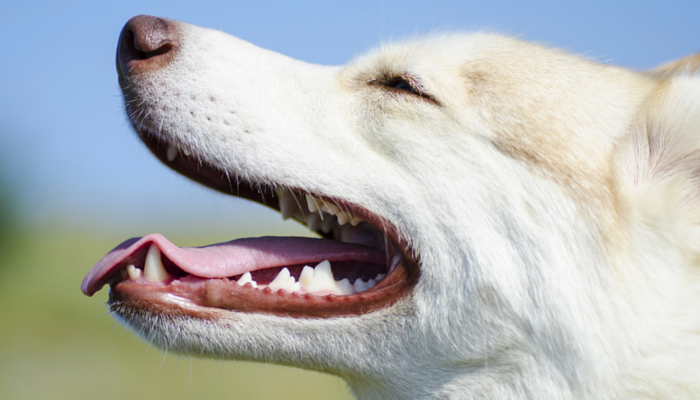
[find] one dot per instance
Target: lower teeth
(318, 281)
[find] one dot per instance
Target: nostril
(145, 43)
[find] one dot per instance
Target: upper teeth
(302, 206)
(318, 280)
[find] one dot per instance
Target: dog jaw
(507, 201)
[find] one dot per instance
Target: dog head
(493, 190)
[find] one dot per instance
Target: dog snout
(146, 43)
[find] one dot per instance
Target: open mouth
(358, 265)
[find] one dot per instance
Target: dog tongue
(234, 257)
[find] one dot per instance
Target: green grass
(55, 343)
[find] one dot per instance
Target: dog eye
(400, 83)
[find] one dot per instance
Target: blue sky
(64, 140)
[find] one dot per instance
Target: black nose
(145, 44)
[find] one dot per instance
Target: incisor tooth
(134, 273)
(153, 268)
(171, 153)
(247, 278)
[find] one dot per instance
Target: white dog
(501, 220)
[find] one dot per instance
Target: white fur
(559, 255)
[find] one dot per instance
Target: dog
(496, 219)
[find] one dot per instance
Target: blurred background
(75, 181)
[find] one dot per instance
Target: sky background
(65, 145)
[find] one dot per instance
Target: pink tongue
(234, 257)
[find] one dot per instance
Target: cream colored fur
(553, 204)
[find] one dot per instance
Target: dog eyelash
(404, 84)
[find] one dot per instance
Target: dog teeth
(312, 203)
(171, 153)
(343, 218)
(288, 206)
(331, 209)
(133, 272)
(320, 279)
(300, 206)
(285, 281)
(153, 268)
(359, 285)
(247, 278)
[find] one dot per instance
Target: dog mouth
(358, 265)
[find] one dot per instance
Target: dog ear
(661, 150)
(689, 65)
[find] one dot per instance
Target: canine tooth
(247, 278)
(281, 192)
(329, 208)
(328, 223)
(288, 206)
(285, 281)
(313, 203)
(343, 218)
(171, 153)
(379, 277)
(153, 268)
(313, 221)
(134, 273)
(371, 283)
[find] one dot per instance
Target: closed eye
(400, 83)
(405, 84)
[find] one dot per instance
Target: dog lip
(210, 297)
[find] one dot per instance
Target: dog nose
(145, 43)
